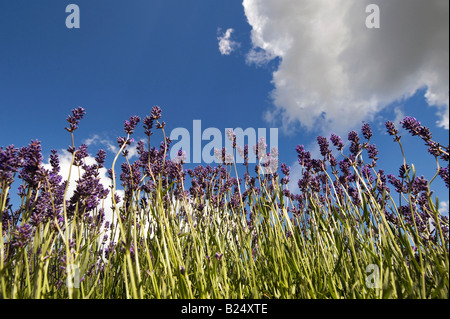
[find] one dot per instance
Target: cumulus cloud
(110, 146)
(132, 151)
(334, 72)
(259, 57)
(104, 142)
(226, 45)
(443, 207)
(399, 114)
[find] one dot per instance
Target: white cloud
(399, 115)
(443, 207)
(226, 45)
(97, 140)
(334, 72)
(109, 145)
(132, 150)
(259, 57)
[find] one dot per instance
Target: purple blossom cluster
(415, 128)
(74, 119)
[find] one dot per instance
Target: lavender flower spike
(156, 113)
(131, 124)
(390, 126)
(337, 141)
(74, 119)
(367, 131)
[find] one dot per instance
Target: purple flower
(74, 119)
(425, 133)
(324, 146)
(78, 113)
(130, 125)
(304, 158)
(148, 125)
(367, 131)
(445, 154)
(80, 154)
(337, 141)
(49, 201)
(344, 165)
(22, 235)
(434, 148)
(54, 161)
(356, 146)
(420, 184)
(122, 140)
(156, 113)
(10, 163)
(285, 169)
(367, 174)
(32, 159)
(390, 127)
(353, 137)
(100, 159)
(130, 175)
(333, 160)
(304, 182)
(372, 151)
(403, 170)
(411, 124)
(88, 192)
(355, 196)
(140, 147)
(381, 182)
(286, 193)
(399, 187)
(443, 173)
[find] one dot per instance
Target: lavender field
(352, 231)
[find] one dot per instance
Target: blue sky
(306, 67)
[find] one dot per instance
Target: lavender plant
(206, 232)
